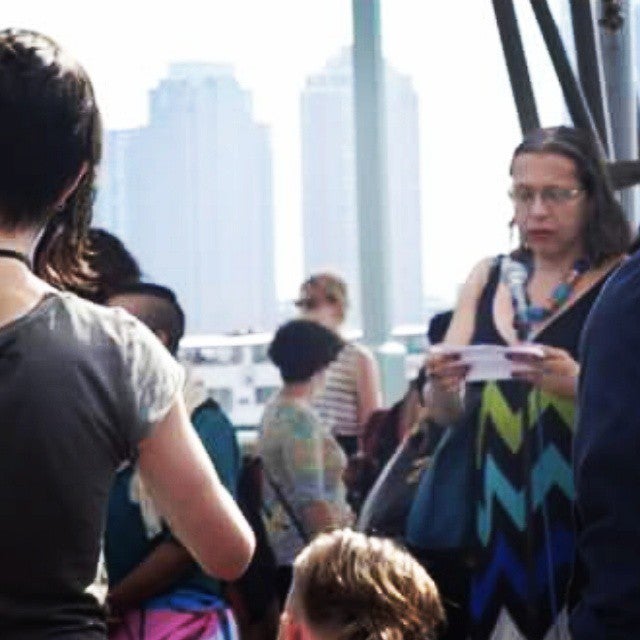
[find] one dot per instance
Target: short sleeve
(304, 457)
(154, 376)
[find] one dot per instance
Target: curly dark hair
(607, 233)
(50, 133)
(302, 348)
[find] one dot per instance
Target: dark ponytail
(50, 131)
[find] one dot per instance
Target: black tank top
(563, 331)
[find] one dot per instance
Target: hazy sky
(451, 50)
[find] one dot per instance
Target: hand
(556, 372)
(445, 371)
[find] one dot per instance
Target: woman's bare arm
(443, 393)
(184, 486)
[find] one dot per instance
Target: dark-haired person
(299, 453)
(349, 586)
(155, 586)
(112, 263)
(82, 388)
(107, 262)
(573, 233)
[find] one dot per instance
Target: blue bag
(442, 515)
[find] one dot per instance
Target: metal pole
(616, 38)
(373, 216)
(576, 102)
(590, 68)
(516, 65)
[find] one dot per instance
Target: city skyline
(155, 172)
(468, 121)
(191, 196)
(329, 202)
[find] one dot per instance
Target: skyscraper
(329, 185)
(191, 195)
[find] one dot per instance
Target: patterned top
(524, 491)
(306, 462)
(337, 406)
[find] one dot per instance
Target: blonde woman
(352, 386)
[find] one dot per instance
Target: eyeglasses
(525, 197)
(308, 303)
(313, 303)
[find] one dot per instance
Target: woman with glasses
(82, 388)
(573, 233)
(352, 390)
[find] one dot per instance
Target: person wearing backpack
(155, 586)
(303, 463)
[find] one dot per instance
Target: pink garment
(165, 624)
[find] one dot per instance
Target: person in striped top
(352, 388)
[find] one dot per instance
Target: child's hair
(349, 586)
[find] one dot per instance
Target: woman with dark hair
(112, 266)
(82, 388)
(302, 460)
(573, 234)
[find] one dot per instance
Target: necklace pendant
(537, 314)
(561, 293)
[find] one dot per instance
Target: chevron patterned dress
(524, 493)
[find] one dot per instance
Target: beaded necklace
(559, 295)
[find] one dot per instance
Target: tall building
(329, 185)
(191, 195)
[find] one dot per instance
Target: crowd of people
(511, 498)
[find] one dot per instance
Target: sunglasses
(309, 304)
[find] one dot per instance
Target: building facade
(329, 192)
(191, 196)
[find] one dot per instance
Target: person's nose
(538, 207)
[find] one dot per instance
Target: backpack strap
(286, 505)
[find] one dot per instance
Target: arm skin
(185, 488)
(169, 561)
(443, 395)
(166, 564)
(367, 388)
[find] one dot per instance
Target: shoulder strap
(277, 489)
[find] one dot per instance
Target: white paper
(490, 362)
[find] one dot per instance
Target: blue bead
(561, 292)
(535, 314)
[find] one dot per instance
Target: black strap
(16, 255)
(286, 505)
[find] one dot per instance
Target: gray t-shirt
(80, 386)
